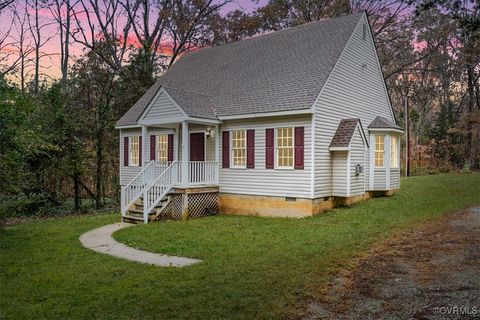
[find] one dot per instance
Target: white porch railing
(157, 176)
(134, 189)
(202, 172)
(159, 188)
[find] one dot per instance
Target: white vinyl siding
(354, 89)
(127, 173)
(357, 156)
(162, 108)
(267, 182)
(380, 179)
(340, 174)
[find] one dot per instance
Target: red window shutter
(125, 151)
(140, 151)
(152, 148)
(225, 149)
(251, 149)
(269, 148)
(170, 147)
(299, 147)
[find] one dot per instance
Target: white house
(285, 124)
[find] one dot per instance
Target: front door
(197, 146)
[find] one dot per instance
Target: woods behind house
(58, 144)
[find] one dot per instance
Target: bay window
(379, 150)
(394, 152)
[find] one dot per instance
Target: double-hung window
(284, 148)
(162, 147)
(393, 152)
(239, 149)
(134, 151)
(379, 150)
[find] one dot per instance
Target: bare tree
(36, 27)
(62, 11)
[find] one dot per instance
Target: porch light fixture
(209, 132)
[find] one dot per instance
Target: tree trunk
(76, 190)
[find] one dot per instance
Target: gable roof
(279, 71)
(344, 133)
(383, 123)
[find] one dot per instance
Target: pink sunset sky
(50, 61)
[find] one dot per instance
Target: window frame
(275, 154)
(158, 143)
(231, 151)
(130, 151)
(394, 160)
(382, 151)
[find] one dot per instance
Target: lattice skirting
(199, 205)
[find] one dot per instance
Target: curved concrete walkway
(100, 240)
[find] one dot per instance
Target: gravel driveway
(429, 273)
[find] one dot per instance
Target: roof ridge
(275, 32)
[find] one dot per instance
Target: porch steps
(135, 212)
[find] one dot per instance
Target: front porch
(170, 182)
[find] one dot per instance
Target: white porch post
(217, 152)
(144, 146)
(185, 153)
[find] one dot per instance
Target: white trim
(372, 163)
(349, 171)
(266, 114)
(185, 152)
(217, 151)
(198, 120)
(385, 130)
(173, 120)
(386, 161)
(340, 148)
(144, 146)
(131, 126)
(312, 156)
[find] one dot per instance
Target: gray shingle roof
(279, 71)
(194, 104)
(344, 133)
(383, 123)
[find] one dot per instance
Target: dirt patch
(428, 273)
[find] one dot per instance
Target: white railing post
(185, 153)
(217, 154)
(123, 210)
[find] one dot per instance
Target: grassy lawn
(252, 267)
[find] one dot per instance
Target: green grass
(252, 267)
